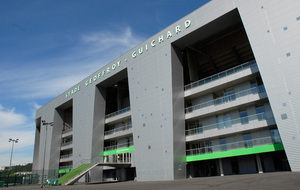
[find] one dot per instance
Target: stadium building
(216, 93)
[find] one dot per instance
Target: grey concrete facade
(273, 35)
(155, 72)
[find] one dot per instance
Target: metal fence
(22, 179)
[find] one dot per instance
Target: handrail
(121, 128)
(117, 112)
(114, 147)
(235, 145)
(243, 120)
(66, 156)
(225, 99)
(67, 143)
(66, 167)
(222, 74)
(67, 130)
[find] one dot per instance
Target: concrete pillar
(221, 167)
(96, 174)
(260, 170)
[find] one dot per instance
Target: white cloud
(105, 40)
(14, 125)
(55, 75)
(36, 106)
(50, 77)
(26, 139)
(8, 118)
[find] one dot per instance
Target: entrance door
(235, 166)
(208, 168)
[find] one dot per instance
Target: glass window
(229, 95)
(220, 122)
(248, 140)
(208, 146)
(194, 127)
(244, 117)
(254, 86)
(189, 103)
(223, 146)
(202, 148)
(275, 136)
(218, 98)
(257, 86)
(227, 120)
(199, 128)
(260, 111)
(196, 148)
(224, 121)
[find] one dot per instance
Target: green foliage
(18, 168)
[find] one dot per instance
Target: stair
(73, 176)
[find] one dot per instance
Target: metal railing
(234, 145)
(226, 99)
(115, 147)
(222, 74)
(117, 112)
(118, 129)
(124, 157)
(196, 129)
(66, 156)
(65, 167)
(67, 130)
(66, 143)
(95, 160)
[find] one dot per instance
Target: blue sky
(47, 46)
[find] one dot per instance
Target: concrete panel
(276, 51)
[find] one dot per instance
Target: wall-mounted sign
(153, 43)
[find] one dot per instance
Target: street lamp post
(11, 155)
(12, 149)
(46, 124)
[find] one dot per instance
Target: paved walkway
(272, 181)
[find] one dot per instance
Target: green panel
(122, 150)
(237, 152)
(74, 172)
(68, 170)
(62, 171)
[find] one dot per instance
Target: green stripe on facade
(237, 152)
(64, 171)
(122, 150)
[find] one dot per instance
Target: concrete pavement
(273, 181)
